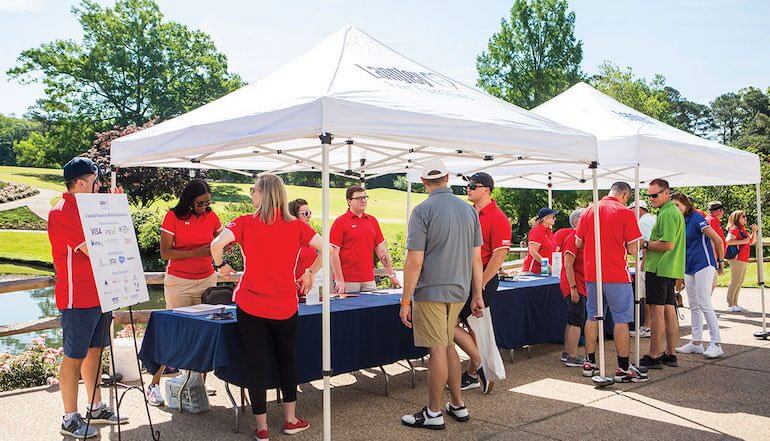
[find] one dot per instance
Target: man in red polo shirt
(619, 235)
(354, 237)
(716, 212)
(496, 234)
(85, 329)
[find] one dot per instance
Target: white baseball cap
(433, 169)
(642, 204)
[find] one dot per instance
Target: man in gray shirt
(443, 264)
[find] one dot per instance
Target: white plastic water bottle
(544, 267)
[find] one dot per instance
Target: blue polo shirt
(700, 252)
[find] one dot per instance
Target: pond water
(24, 306)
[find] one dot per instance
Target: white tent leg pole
(408, 200)
(602, 378)
(637, 274)
(113, 180)
(760, 265)
(550, 197)
(326, 140)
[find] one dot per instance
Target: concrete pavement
(40, 204)
(700, 400)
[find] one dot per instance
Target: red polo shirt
(75, 285)
(356, 238)
(495, 231)
(743, 250)
(189, 234)
(560, 236)
(267, 288)
(542, 236)
(305, 258)
(716, 224)
(569, 247)
(618, 228)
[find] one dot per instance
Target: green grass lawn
(21, 218)
(24, 270)
(750, 281)
(25, 246)
(50, 178)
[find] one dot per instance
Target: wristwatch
(645, 244)
(406, 303)
(217, 267)
(573, 286)
(721, 260)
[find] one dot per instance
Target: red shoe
(261, 435)
(299, 426)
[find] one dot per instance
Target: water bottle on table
(544, 267)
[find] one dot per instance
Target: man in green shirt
(664, 268)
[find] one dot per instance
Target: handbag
(217, 295)
(733, 250)
(491, 361)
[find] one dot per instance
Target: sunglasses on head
(474, 185)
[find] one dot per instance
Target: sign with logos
(112, 249)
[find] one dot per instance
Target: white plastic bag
(491, 361)
(193, 395)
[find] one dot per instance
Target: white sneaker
(645, 332)
(714, 351)
(422, 420)
(734, 308)
(741, 308)
(154, 396)
(690, 348)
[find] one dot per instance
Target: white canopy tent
(387, 113)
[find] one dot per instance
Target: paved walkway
(40, 204)
(700, 400)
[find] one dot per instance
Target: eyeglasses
(474, 185)
(202, 204)
(307, 213)
(360, 198)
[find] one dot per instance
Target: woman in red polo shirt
(300, 209)
(738, 236)
(540, 239)
(185, 235)
(266, 295)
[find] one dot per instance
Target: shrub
(147, 225)
(12, 192)
(36, 366)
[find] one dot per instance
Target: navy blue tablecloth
(531, 312)
(366, 331)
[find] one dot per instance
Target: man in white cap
(443, 264)
(646, 222)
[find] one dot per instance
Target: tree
(143, 185)
(535, 56)
(13, 130)
(687, 115)
(728, 116)
(131, 66)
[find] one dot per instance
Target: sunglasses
(202, 204)
(473, 186)
(654, 195)
(361, 198)
(307, 213)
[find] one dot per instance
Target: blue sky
(703, 47)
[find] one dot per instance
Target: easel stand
(113, 382)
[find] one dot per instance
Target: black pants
(265, 339)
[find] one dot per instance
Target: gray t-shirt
(447, 229)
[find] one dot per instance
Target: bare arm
(382, 253)
(717, 241)
(218, 245)
(339, 279)
(167, 251)
(412, 270)
(494, 264)
(477, 303)
(569, 271)
(533, 249)
(732, 240)
(633, 247)
(660, 245)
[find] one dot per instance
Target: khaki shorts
(185, 292)
(351, 287)
(434, 323)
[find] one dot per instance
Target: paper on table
(201, 309)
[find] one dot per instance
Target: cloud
(21, 5)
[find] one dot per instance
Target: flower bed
(36, 366)
(11, 192)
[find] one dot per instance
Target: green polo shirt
(669, 228)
